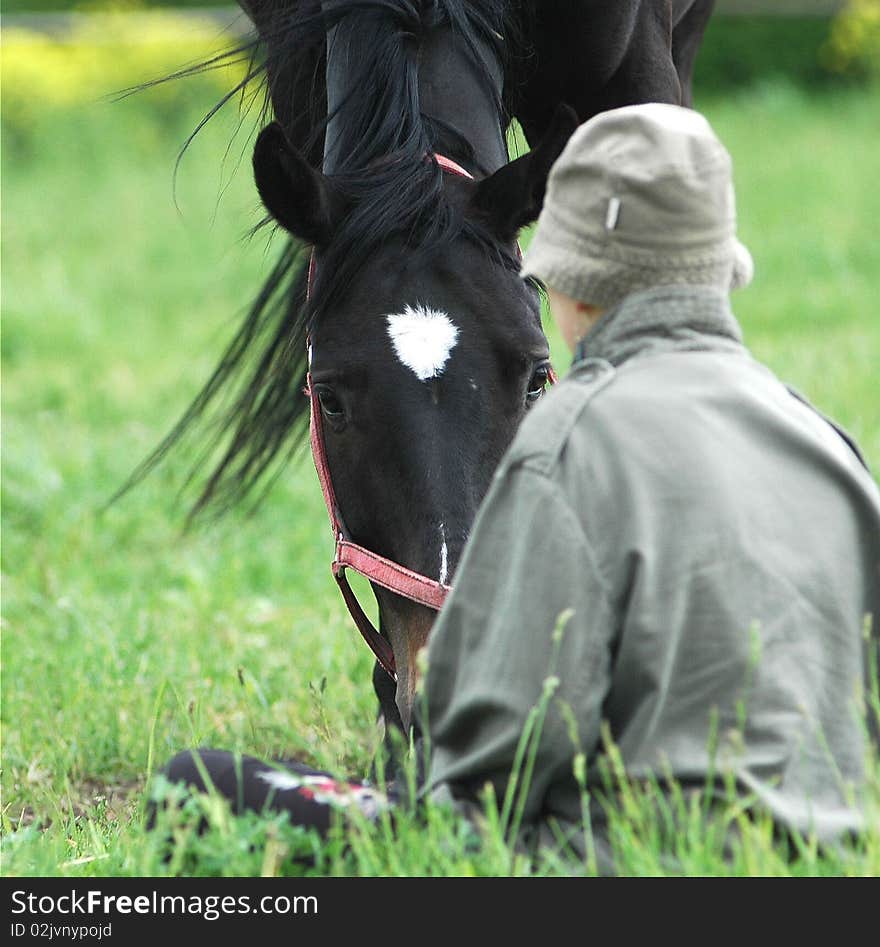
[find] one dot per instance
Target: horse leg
(646, 72)
(594, 57)
(686, 39)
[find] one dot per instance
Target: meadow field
(126, 638)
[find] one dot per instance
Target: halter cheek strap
(349, 555)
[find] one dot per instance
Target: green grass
(124, 640)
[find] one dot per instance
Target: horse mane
(251, 416)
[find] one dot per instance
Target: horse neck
(452, 90)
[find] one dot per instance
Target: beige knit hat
(640, 197)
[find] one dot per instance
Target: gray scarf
(672, 317)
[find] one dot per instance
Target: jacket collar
(671, 317)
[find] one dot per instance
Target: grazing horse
(405, 319)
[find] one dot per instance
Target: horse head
(424, 359)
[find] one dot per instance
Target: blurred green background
(125, 640)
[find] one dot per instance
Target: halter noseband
(349, 555)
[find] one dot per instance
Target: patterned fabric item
(310, 797)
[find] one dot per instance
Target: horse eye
(537, 384)
(330, 404)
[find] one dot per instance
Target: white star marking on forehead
(423, 339)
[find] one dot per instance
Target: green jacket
(718, 544)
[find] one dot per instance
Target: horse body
(426, 347)
(603, 54)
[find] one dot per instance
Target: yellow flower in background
(112, 50)
(105, 54)
(853, 45)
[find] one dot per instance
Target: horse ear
(299, 197)
(512, 197)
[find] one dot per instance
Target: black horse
(388, 162)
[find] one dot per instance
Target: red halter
(348, 555)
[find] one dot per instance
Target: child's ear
(513, 196)
(300, 198)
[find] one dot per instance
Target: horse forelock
(383, 140)
(383, 154)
